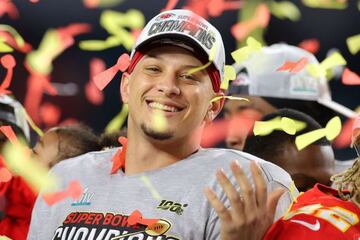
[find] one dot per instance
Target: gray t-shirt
(173, 194)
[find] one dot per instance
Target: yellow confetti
(243, 53)
(115, 24)
(332, 129)
(117, 122)
(292, 191)
(40, 60)
(19, 161)
(4, 48)
(4, 238)
(194, 70)
(19, 40)
(331, 4)
(288, 125)
(151, 187)
(230, 98)
(32, 124)
(319, 70)
(159, 121)
(353, 43)
(285, 9)
(229, 74)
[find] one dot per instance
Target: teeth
(163, 107)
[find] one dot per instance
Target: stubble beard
(156, 134)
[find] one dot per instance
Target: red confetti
(350, 78)
(68, 33)
(198, 6)
(294, 67)
(119, 157)
(74, 191)
(311, 45)
(6, 6)
(5, 175)
(92, 93)
(137, 218)
(261, 19)
(50, 114)
(344, 138)
(91, 3)
(217, 7)
(9, 134)
(8, 62)
(170, 5)
(102, 79)
(10, 40)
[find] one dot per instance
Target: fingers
(232, 194)
(219, 207)
(260, 186)
(273, 200)
(247, 191)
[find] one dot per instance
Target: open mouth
(163, 107)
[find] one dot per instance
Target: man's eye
(152, 69)
(188, 77)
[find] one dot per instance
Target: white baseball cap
(16, 115)
(185, 29)
(263, 79)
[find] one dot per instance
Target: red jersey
(20, 200)
(318, 214)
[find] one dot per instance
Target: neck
(145, 154)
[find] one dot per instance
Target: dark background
(331, 27)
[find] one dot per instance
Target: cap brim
(338, 108)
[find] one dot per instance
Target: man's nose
(168, 84)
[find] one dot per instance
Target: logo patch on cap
(164, 16)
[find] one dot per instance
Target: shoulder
(221, 157)
(90, 160)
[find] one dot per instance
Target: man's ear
(124, 87)
(214, 108)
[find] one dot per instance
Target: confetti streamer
(13, 39)
(115, 24)
(332, 4)
(9, 8)
(292, 191)
(137, 218)
(170, 5)
(50, 114)
(151, 187)
(5, 175)
(159, 121)
(285, 10)
(18, 160)
(101, 3)
(350, 78)
(229, 97)
(118, 121)
(120, 156)
(294, 67)
(311, 45)
(261, 19)
(102, 79)
(288, 125)
(243, 53)
(74, 191)
(344, 138)
(353, 44)
(229, 74)
(9, 134)
(332, 129)
(217, 7)
(92, 93)
(199, 7)
(32, 124)
(317, 70)
(8, 62)
(4, 238)
(4, 47)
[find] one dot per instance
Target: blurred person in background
(313, 164)
(269, 89)
(323, 212)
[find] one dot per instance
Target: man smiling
(153, 189)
